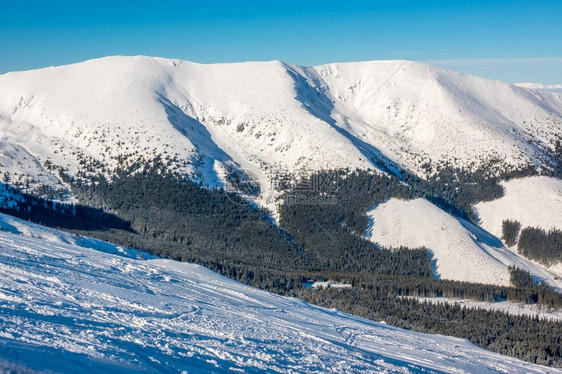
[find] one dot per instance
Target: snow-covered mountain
(66, 308)
(271, 117)
(64, 301)
(264, 117)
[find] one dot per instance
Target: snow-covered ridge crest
(540, 86)
(264, 116)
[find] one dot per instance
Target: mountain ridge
(266, 116)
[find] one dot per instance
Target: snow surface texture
(461, 251)
(66, 308)
(21, 227)
(265, 117)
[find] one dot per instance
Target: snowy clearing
(461, 251)
(533, 201)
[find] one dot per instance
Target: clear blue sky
(505, 40)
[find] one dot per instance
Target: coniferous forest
(174, 217)
(534, 242)
(543, 246)
(510, 232)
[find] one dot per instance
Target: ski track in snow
(66, 308)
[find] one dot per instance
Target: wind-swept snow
(66, 308)
(18, 226)
(540, 86)
(461, 251)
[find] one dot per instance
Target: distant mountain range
(267, 118)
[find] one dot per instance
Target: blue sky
(506, 40)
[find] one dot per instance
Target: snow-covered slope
(461, 250)
(265, 117)
(540, 86)
(18, 226)
(201, 117)
(65, 308)
(416, 113)
(533, 201)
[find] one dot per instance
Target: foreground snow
(18, 226)
(66, 308)
(461, 251)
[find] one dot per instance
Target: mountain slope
(416, 113)
(84, 309)
(269, 119)
(265, 117)
(533, 201)
(461, 251)
(200, 116)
